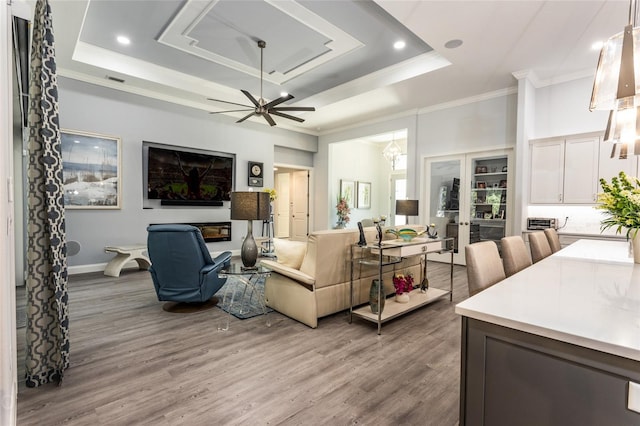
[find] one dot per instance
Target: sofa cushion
(290, 253)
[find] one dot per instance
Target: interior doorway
(291, 208)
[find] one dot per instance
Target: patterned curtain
(47, 334)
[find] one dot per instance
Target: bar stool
(515, 255)
(539, 245)
(553, 239)
(484, 266)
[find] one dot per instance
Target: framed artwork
(348, 191)
(91, 170)
(364, 195)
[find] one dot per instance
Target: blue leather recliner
(181, 266)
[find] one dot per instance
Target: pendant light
(617, 88)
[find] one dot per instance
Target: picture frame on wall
(91, 170)
(348, 191)
(364, 195)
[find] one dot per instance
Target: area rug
(245, 307)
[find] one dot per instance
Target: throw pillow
(290, 253)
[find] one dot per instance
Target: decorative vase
(635, 246)
(374, 292)
(402, 298)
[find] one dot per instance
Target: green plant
(620, 200)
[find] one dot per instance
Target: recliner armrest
(224, 257)
(289, 272)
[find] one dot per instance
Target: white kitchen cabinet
(564, 171)
(609, 167)
(547, 172)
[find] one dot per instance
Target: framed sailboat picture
(91, 170)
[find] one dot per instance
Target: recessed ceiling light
(452, 44)
(123, 40)
(400, 44)
(283, 94)
(597, 45)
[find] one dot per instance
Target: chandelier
(392, 153)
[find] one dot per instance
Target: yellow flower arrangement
(273, 195)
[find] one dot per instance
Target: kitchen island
(557, 343)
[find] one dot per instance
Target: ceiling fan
(262, 107)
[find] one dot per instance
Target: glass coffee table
(248, 279)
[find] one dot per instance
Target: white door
(445, 201)
(281, 209)
(300, 205)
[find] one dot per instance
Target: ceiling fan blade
(227, 102)
(269, 119)
(294, 109)
(231, 110)
(290, 117)
(278, 101)
(251, 98)
(245, 117)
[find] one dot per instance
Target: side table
(248, 278)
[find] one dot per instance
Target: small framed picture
(481, 184)
(364, 195)
(503, 183)
(481, 169)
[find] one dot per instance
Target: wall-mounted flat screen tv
(187, 176)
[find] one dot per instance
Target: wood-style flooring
(134, 364)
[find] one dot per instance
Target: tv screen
(189, 175)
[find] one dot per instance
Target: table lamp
(407, 208)
(249, 206)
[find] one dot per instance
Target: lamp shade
(250, 205)
(407, 207)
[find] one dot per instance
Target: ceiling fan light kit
(260, 106)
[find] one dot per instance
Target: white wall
(563, 109)
(483, 125)
(359, 160)
(135, 119)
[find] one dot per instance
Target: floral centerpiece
(343, 211)
(403, 285)
(620, 200)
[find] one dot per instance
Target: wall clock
(256, 173)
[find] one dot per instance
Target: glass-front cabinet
(467, 197)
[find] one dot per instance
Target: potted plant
(620, 200)
(403, 283)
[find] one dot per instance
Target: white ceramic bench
(123, 255)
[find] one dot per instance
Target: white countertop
(587, 294)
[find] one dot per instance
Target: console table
(391, 252)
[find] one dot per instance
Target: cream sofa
(312, 280)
